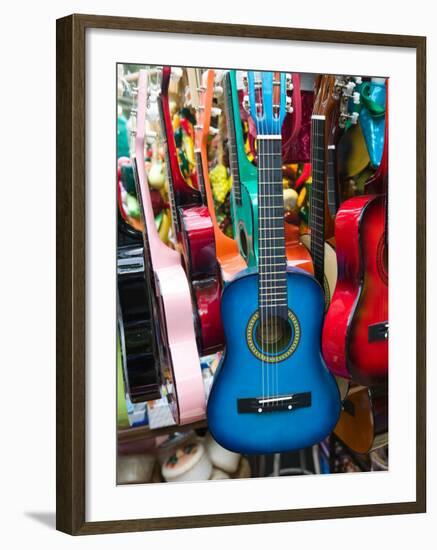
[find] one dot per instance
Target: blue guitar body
(301, 380)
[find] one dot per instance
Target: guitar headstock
(326, 96)
(203, 89)
(334, 96)
(267, 100)
(165, 80)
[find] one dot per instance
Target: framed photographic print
(240, 274)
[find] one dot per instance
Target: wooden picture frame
(71, 248)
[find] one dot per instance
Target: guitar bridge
(378, 332)
(274, 403)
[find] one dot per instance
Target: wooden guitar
(138, 347)
(244, 193)
(363, 423)
(355, 333)
(171, 298)
(194, 232)
(330, 113)
(271, 391)
(202, 89)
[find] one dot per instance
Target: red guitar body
(355, 332)
(194, 232)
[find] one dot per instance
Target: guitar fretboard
(317, 206)
(200, 177)
(272, 262)
(171, 195)
(331, 181)
(233, 159)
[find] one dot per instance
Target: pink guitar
(171, 298)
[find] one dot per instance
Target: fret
(273, 247)
(200, 178)
(271, 300)
(236, 184)
(317, 203)
(272, 261)
(174, 214)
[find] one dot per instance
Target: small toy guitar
(137, 336)
(363, 423)
(202, 90)
(171, 299)
(244, 193)
(330, 113)
(355, 333)
(137, 346)
(271, 391)
(194, 231)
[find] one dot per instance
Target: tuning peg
(246, 104)
(354, 117)
(216, 111)
(218, 91)
(358, 80)
(356, 98)
(213, 131)
(176, 73)
(288, 105)
(350, 86)
(289, 82)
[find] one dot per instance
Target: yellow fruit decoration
(220, 182)
(301, 197)
(165, 226)
(290, 199)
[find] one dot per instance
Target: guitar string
(281, 240)
(266, 222)
(272, 156)
(251, 77)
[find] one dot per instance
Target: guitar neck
(317, 206)
(272, 262)
(168, 164)
(232, 140)
(201, 176)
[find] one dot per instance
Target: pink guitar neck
(173, 289)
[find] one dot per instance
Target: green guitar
(244, 193)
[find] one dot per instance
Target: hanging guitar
(202, 88)
(363, 423)
(355, 333)
(138, 350)
(271, 391)
(244, 192)
(329, 119)
(194, 232)
(244, 195)
(171, 299)
(137, 339)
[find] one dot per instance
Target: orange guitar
(202, 92)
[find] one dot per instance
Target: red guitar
(194, 232)
(355, 333)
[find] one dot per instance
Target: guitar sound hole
(243, 242)
(273, 334)
(382, 259)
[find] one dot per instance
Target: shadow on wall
(46, 518)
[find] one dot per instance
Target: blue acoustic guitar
(272, 391)
(244, 194)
